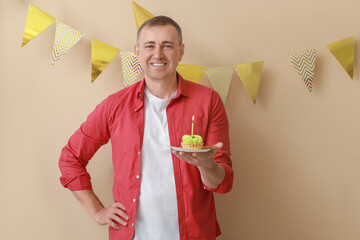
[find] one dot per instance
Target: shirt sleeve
(218, 131)
(81, 147)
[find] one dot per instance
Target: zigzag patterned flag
(131, 67)
(220, 78)
(304, 63)
(65, 38)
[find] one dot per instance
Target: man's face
(159, 52)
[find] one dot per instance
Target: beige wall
(295, 154)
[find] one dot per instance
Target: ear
(136, 50)
(182, 51)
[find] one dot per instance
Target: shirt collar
(181, 90)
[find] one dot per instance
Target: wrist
(212, 165)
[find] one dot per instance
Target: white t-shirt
(157, 213)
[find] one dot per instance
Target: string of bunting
(103, 54)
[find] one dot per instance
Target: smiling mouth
(158, 64)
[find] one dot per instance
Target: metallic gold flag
(131, 67)
(191, 72)
(250, 75)
(344, 51)
(304, 63)
(36, 22)
(101, 55)
(65, 38)
(220, 78)
(141, 14)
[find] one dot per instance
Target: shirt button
(139, 153)
(134, 200)
(137, 176)
(132, 224)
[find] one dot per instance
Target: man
(158, 193)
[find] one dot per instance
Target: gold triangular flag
(141, 14)
(344, 51)
(304, 63)
(191, 72)
(36, 22)
(131, 67)
(250, 75)
(220, 78)
(101, 55)
(65, 38)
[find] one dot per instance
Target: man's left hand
(199, 159)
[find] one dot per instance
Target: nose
(158, 52)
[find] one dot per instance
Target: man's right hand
(113, 215)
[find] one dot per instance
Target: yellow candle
(192, 125)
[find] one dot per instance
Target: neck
(161, 89)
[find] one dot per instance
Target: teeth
(158, 64)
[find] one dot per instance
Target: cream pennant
(220, 78)
(250, 75)
(304, 63)
(131, 67)
(344, 51)
(36, 22)
(141, 14)
(65, 38)
(101, 56)
(191, 72)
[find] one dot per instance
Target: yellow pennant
(220, 78)
(250, 75)
(191, 72)
(101, 55)
(304, 63)
(36, 22)
(141, 14)
(65, 38)
(131, 67)
(344, 51)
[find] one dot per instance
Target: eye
(149, 46)
(167, 46)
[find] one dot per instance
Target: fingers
(118, 214)
(118, 205)
(114, 216)
(218, 146)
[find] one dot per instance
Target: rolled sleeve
(218, 131)
(81, 147)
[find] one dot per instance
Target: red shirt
(120, 117)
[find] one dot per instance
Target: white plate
(189, 150)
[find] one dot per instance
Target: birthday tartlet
(192, 142)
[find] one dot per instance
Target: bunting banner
(250, 75)
(344, 51)
(65, 38)
(141, 14)
(304, 63)
(191, 72)
(101, 56)
(36, 22)
(220, 78)
(131, 67)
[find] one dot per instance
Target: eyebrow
(164, 42)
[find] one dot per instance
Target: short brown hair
(160, 21)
